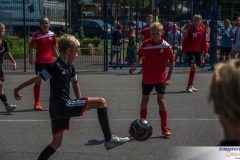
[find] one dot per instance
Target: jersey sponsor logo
(161, 50)
(195, 34)
(50, 38)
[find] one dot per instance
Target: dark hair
(41, 20)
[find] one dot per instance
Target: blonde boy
(155, 53)
(61, 107)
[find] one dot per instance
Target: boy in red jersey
(45, 42)
(155, 53)
(145, 32)
(195, 46)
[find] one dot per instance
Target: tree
(134, 3)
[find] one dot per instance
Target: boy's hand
(166, 83)
(17, 95)
(132, 70)
(14, 66)
(31, 61)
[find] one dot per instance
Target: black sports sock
(4, 99)
(104, 123)
(46, 153)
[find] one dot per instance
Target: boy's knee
(103, 103)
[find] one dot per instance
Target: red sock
(36, 90)
(191, 78)
(143, 113)
(163, 117)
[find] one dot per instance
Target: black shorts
(147, 88)
(41, 66)
(60, 116)
(225, 50)
(193, 58)
(1, 74)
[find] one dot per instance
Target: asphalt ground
(25, 132)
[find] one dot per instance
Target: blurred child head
(197, 20)
(225, 91)
(156, 29)
(226, 23)
(149, 19)
(44, 24)
(2, 29)
(68, 43)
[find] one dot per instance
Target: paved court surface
(25, 132)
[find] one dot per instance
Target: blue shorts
(60, 115)
(147, 88)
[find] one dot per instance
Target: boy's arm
(54, 51)
(77, 91)
(135, 65)
(25, 84)
(170, 70)
(31, 59)
(12, 60)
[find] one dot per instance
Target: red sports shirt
(195, 41)
(146, 32)
(154, 60)
(44, 43)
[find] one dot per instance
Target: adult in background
(174, 38)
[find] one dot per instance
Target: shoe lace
(166, 129)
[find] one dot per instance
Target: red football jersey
(154, 60)
(146, 32)
(195, 41)
(44, 43)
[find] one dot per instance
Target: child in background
(226, 43)
(131, 48)
(4, 49)
(117, 40)
(195, 46)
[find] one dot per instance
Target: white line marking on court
(45, 120)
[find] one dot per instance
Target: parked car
(127, 24)
(92, 28)
(218, 24)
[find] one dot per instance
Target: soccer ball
(140, 129)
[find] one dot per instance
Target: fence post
(212, 52)
(106, 36)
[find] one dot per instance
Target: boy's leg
(146, 90)
(101, 106)
(163, 115)
(8, 107)
(51, 149)
(144, 108)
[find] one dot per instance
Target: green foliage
(91, 46)
(16, 46)
(134, 3)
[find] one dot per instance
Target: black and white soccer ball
(140, 129)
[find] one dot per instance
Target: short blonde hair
(67, 41)
(156, 25)
(2, 26)
(197, 16)
(149, 16)
(225, 91)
